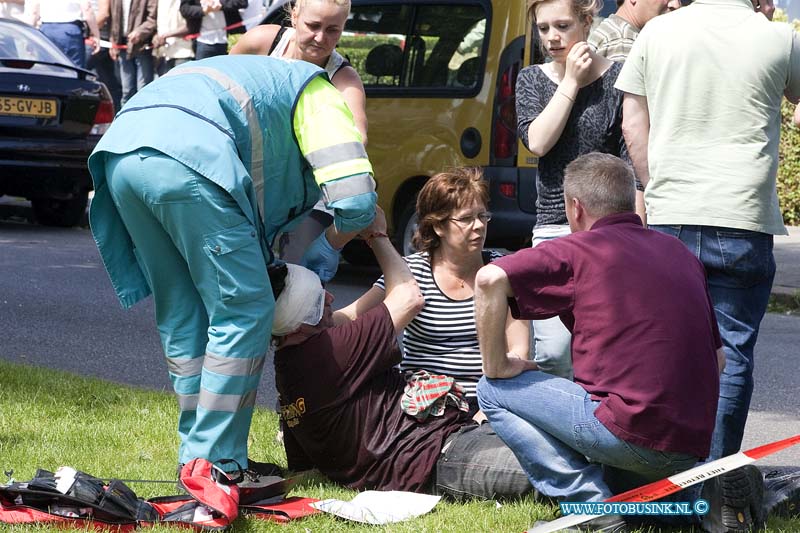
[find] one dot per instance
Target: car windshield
(18, 41)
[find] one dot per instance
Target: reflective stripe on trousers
(204, 263)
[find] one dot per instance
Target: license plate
(28, 107)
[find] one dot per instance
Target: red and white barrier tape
(191, 36)
(672, 484)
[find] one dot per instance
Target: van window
(436, 49)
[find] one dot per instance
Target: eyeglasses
(469, 220)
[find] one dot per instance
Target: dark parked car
(52, 114)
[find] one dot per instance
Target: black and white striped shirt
(442, 338)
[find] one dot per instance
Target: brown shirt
(141, 18)
(340, 409)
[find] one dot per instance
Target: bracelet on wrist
(374, 235)
(565, 95)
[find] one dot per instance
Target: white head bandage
(301, 302)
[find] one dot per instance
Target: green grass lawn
(784, 304)
(49, 419)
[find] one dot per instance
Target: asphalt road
(58, 309)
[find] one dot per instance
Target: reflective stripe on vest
(230, 403)
(347, 187)
(245, 102)
(234, 366)
(336, 153)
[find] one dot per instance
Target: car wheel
(406, 227)
(356, 252)
(61, 213)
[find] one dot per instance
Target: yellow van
(439, 77)
(440, 82)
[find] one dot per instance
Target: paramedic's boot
(257, 469)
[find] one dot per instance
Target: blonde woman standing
(566, 108)
(316, 26)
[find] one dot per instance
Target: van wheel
(406, 227)
(61, 213)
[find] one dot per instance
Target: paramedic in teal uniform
(193, 180)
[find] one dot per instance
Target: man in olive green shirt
(703, 130)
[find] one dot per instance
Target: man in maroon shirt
(645, 347)
(340, 395)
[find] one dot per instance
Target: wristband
(374, 235)
(565, 95)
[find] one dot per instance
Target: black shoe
(612, 523)
(782, 491)
(735, 501)
(255, 476)
(256, 470)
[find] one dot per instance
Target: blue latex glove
(321, 258)
(354, 213)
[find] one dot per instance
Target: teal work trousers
(213, 301)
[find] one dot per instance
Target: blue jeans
(68, 37)
(549, 424)
(205, 50)
(740, 268)
(108, 72)
(475, 463)
(134, 72)
(552, 350)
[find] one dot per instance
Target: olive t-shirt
(340, 398)
(714, 75)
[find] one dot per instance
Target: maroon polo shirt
(644, 334)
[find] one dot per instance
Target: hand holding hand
(210, 6)
(579, 64)
(378, 224)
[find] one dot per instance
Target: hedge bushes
(789, 167)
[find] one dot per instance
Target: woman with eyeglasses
(441, 339)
